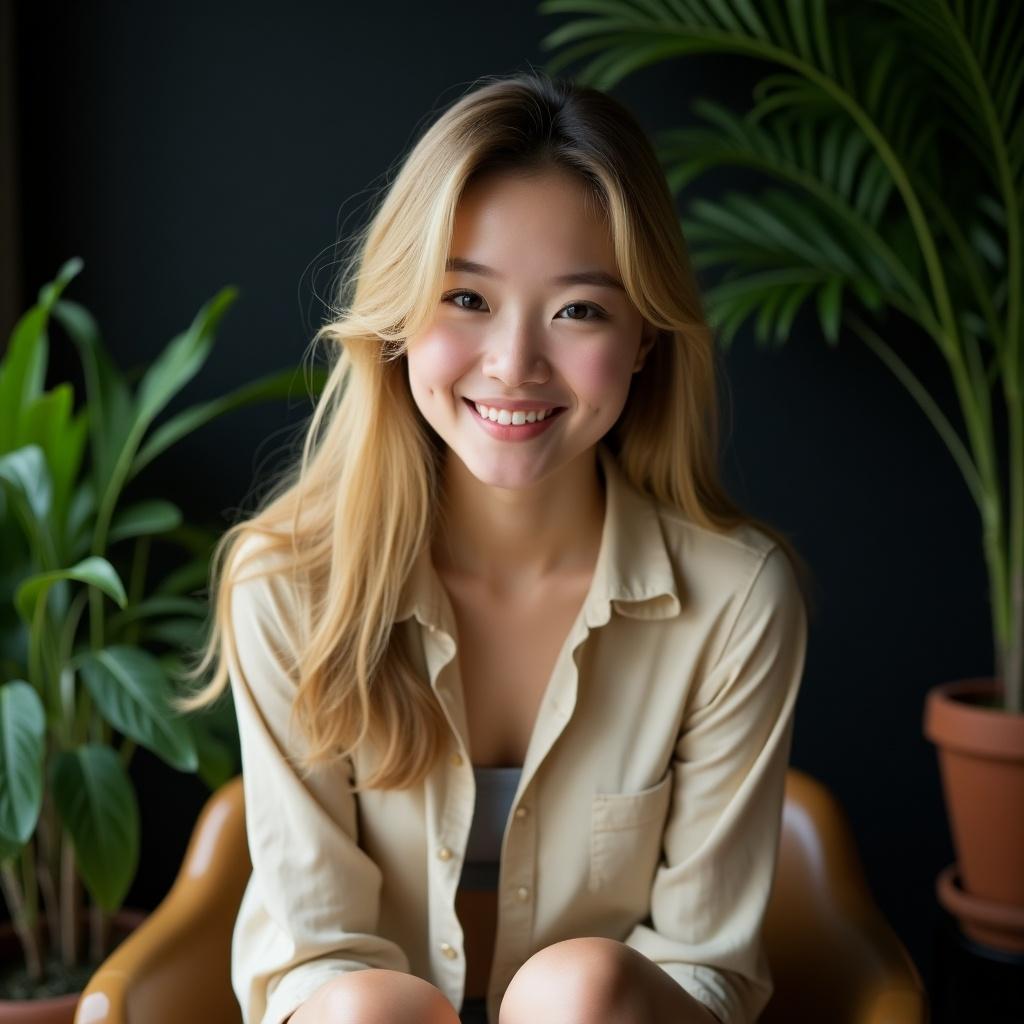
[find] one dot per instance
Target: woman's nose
(515, 355)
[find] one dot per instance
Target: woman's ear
(650, 336)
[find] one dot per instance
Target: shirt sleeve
(311, 906)
(720, 846)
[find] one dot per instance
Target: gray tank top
(495, 790)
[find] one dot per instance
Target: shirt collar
(634, 572)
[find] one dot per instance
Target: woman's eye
(577, 307)
(583, 307)
(453, 297)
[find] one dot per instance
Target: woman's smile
(513, 431)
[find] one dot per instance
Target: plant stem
(1014, 672)
(136, 584)
(69, 892)
(1013, 637)
(96, 618)
(27, 934)
(46, 864)
(83, 716)
(99, 932)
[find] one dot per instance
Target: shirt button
(521, 812)
(444, 853)
(522, 893)
(432, 627)
(448, 951)
(456, 759)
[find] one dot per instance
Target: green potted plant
(892, 138)
(91, 652)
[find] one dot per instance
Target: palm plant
(892, 135)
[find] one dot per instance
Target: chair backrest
(833, 956)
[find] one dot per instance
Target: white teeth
(506, 416)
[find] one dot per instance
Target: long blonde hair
(347, 520)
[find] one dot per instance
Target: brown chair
(833, 956)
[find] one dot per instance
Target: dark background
(180, 148)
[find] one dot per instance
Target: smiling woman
(544, 669)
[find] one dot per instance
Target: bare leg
(376, 996)
(597, 979)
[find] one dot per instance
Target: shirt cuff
(299, 984)
(707, 987)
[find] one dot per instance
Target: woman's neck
(507, 539)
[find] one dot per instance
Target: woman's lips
(513, 432)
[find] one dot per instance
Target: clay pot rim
(66, 1001)
(955, 898)
(127, 918)
(953, 723)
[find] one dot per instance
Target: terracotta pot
(981, 760)
(56, 1009)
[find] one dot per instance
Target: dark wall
(179, 148)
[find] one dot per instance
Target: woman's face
(507, 328)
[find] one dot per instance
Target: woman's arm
(310, 911)
(710, 894)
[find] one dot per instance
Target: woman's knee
(574, 980)
(376, 996)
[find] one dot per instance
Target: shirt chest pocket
(625, 835)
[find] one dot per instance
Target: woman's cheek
(601, 376)
(439, 359)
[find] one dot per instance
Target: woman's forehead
(537, 221)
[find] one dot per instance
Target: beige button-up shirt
(649, 806)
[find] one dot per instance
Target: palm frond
(833, 165)
(976, 53)
(634, 33)
(778, 251)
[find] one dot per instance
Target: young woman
(514, 678)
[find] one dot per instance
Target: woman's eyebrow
(595, 277)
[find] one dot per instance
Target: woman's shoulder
(260, 576)
(713, 561)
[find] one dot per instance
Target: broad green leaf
(15, 564)
(132, 692)
(26, 473)
(215, 732)
(109, 401)
(95, 571)
(21, 373)
(182, 359)
(97, 805)
(219, 759)
(181, 633)
(156, 606)
(23, 368)
(186, 579)
(175, 366)
(144, 518)
(81, 515)
(275, 386)
(22, 751)
(48, 422)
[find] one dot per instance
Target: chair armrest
(176, 965)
